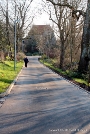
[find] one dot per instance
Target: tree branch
(74, 11)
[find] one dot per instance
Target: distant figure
(26, 61)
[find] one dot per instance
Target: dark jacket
(26, 60)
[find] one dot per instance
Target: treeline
(73, 28)
(14, 21)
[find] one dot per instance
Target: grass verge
(8, 74)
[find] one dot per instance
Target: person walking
(26, 61)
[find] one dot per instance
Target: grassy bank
(7, 73)
(68, 74)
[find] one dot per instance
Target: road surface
(42, 102)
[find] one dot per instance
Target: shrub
(7, 58)
(28, 54)
(20, 56)
(44, 56)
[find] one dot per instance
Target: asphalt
(42, 102)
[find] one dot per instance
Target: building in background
(41, 38)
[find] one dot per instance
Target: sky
(42, 19)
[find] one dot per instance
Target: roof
(42, 28)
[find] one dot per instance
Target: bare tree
(76, 13)
(85, 44)
(21, 17)
(6, 16)
(66, 25)
(19, 12)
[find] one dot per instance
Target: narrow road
(42, 102)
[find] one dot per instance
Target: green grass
(7, 73)
(81, 81)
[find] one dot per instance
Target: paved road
(42, 102)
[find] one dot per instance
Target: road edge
(7, 92)
(80, 88)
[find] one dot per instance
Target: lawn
(8, 74)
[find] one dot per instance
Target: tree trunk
(62, 56)
(85, 44)
(7, 27)
(62, 49)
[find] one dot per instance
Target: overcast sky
(41, 17)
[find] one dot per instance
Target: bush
(44, 57)
(8, 58)
(28, 54)
(20, 56)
